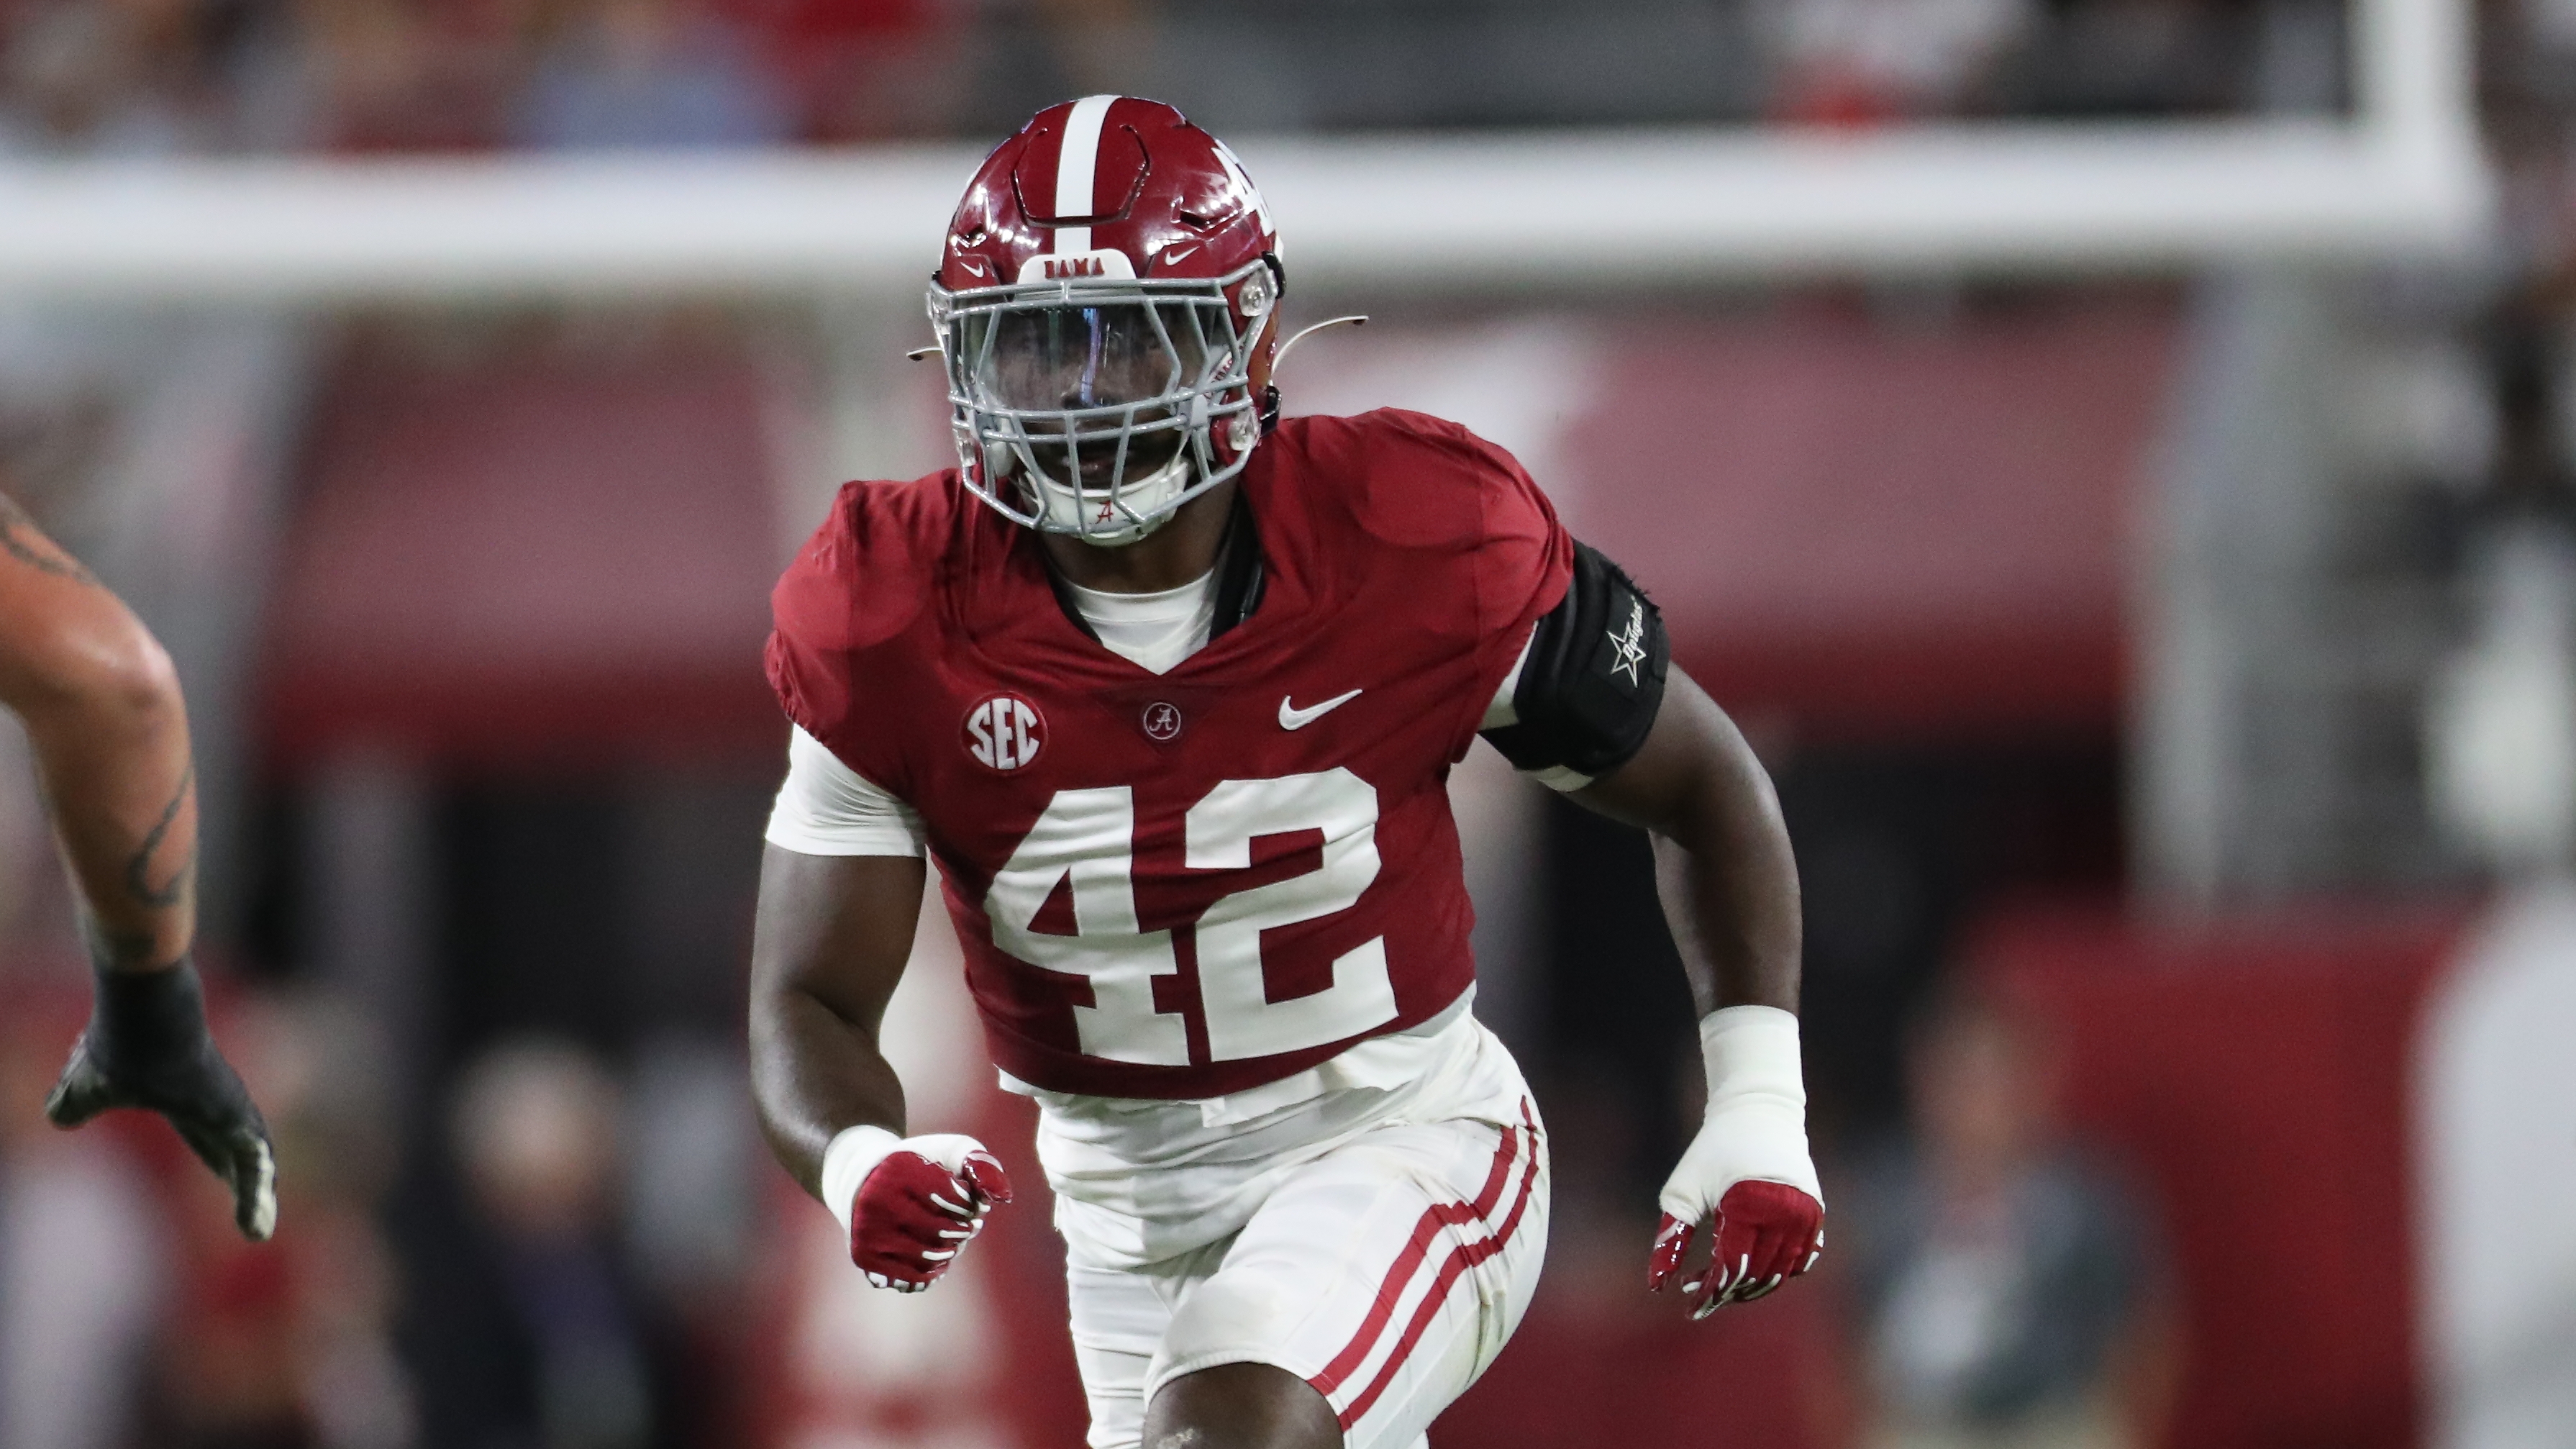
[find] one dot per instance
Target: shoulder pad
(861, 580)
(865, 573)
(1417, 481)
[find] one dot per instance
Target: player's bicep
(65, 641)
(1692, 758)
(834, 928)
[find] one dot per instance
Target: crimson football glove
(1748, 1167)
(147, 1046)
(910, 1203)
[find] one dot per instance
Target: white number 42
(1089, 835)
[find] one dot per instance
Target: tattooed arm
(102, 709)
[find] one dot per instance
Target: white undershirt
(827, 808)
(1155, 632)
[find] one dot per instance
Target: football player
(1170, 687)
(103, 713)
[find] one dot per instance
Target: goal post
(2403, 175)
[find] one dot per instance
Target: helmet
(1105, 310)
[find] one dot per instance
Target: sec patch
(1004, 732)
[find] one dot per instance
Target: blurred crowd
(151, 77)
(2006, 1287)
(576, 1296)
(155, 77)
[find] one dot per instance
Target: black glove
(147, 1046)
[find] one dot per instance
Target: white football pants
(1387, 1272)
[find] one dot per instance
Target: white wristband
(1756, 1127)
(1752, 1051)
(854, 1153)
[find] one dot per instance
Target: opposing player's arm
(828, 946)
(102, 710)
(1596, 709)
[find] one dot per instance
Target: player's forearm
(829, 943)
(1730, 898)
(814, 1074)
(110, 736)
(102, 710)
(1723, 866)
(1730, 893)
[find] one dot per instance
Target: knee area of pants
(1221, 1316)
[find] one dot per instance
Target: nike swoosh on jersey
(1293, 718)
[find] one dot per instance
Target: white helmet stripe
(1074, 167)
(1234, 168)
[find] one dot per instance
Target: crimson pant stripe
(1391, 1289)
(1461, 1258)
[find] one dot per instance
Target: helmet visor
(1074, 359)
(1099, 389)
(1098, 407)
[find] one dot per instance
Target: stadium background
(2108, 454)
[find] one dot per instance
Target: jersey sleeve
(1465, 522)
(826, 808)
(1524, 565)
(848, 595)
(807, 658)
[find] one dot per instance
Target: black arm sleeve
(1594, 676)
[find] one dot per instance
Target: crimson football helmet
(1105, 307)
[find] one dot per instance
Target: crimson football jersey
(1188, 884)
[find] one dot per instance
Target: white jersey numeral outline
(1089, 836)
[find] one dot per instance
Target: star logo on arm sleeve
(1628, 645)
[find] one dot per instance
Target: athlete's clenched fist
(910, 1203)
(1748, 1167)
